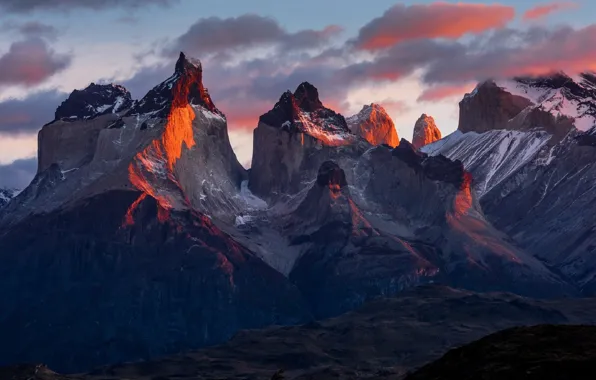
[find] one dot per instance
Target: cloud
(400, 61)
(539, 53)
(32, 29)
(438, 93)
(146, 78)
(30, 62)
(213, 35)
(394, 106)
(28, 115)
(24, 6)
(544, 10)
(244, 87)
(18, 174)
(439, 20)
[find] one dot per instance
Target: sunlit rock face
(374, 125)
(152, 227)
(173, 145)
(293, 139)
(123, 221)
(425, 132)
(190, 163)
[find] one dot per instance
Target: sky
(412, 57)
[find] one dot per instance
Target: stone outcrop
(425, 131)
(294, 138)
(374, 125)
(489, 107)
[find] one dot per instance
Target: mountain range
(141, 235)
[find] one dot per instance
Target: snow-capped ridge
(93, 101)
(560, 95)
(158, 101)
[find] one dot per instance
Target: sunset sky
(412, 57)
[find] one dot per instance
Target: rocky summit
(425, 131)
(374, 125)
(141, 235)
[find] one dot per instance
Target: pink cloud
(570, 50)
(394, 105)
(544, 10)
(437, 93)
(437, 20)
(30, 62)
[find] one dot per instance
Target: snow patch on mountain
(93, 101)
(492, 156)
(324, 129)
(565, 98)
(6, 195)
(251, 201)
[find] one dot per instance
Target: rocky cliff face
(128, 202)
(173, 145)
(535, 175)
(425, 132)
(489, 107)
(374, 125)
(293, 139)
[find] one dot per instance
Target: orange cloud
(438, 20)
(438, 93)
(546, 9)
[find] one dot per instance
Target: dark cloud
(213, 35)
(18, 174)
(32, 29)
(28, 115)
(438, 20)
(30, 62)
(24, 6)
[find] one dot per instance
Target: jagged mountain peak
(185, 64)
(302, 111)
(371, 108)
(307, 97)
(374, 124)
(93, 101)
(187, 79)
(425, 131)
